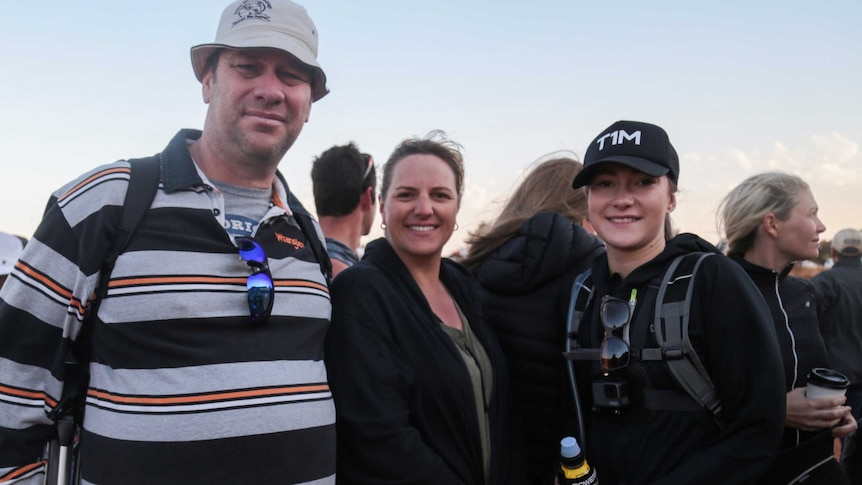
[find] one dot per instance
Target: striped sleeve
(42, 305)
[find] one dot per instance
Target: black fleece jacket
(526, 284)
(404, 400)
(732, 332)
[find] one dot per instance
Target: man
(191, 380)
(10, 249)
(344, 181)
(841, 288)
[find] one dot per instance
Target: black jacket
(841, 289)
(732, 332)
(793, 303)
(403, 397)
(526, 284)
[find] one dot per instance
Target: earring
(456, 227)
(383, 226)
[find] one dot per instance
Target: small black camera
(609, 394)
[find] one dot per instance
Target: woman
(419, 381)
(641, 427)
(526, 262)
(770, 221)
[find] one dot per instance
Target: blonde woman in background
(770, 221)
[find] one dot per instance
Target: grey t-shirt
(244, 207)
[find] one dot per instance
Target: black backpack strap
(143, 185)
(582, 294)
(69, 412)
(307, 226)
(672, 314)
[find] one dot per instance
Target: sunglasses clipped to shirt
(615, 315)
(261, 290)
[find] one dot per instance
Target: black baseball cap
(642, 146)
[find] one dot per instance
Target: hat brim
(201, 54)
(637, 163)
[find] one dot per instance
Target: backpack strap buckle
(673, 353)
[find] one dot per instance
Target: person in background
(526, 261)
(344, 183)
(10, 249)
(770, 221)
(206, 355)
(841, 290)
(661, 434)
(419, 381)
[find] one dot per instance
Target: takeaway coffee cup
(824, 382)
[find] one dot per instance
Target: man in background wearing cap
(192, 380)
(10, 249)
(841, 288)
(344, 182)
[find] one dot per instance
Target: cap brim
(201, 53)
(640, 164)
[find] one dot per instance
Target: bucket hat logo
(252, 9)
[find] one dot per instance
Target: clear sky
(740, 86)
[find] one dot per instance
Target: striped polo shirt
(184, 388)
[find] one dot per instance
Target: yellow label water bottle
(574, 469)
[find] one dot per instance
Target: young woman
(770, 221)
(526, 261)
(418, 379)
(641, 428)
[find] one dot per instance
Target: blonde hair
(546, 188)
(742, 210)
(669, 229)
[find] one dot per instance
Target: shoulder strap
(582, 294)
(143, 185)
(671, 330)
(578, 303)
(307, 227)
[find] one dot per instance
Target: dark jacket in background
(841, 290)
(404, 400)
(526, 284)
(732, 333)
